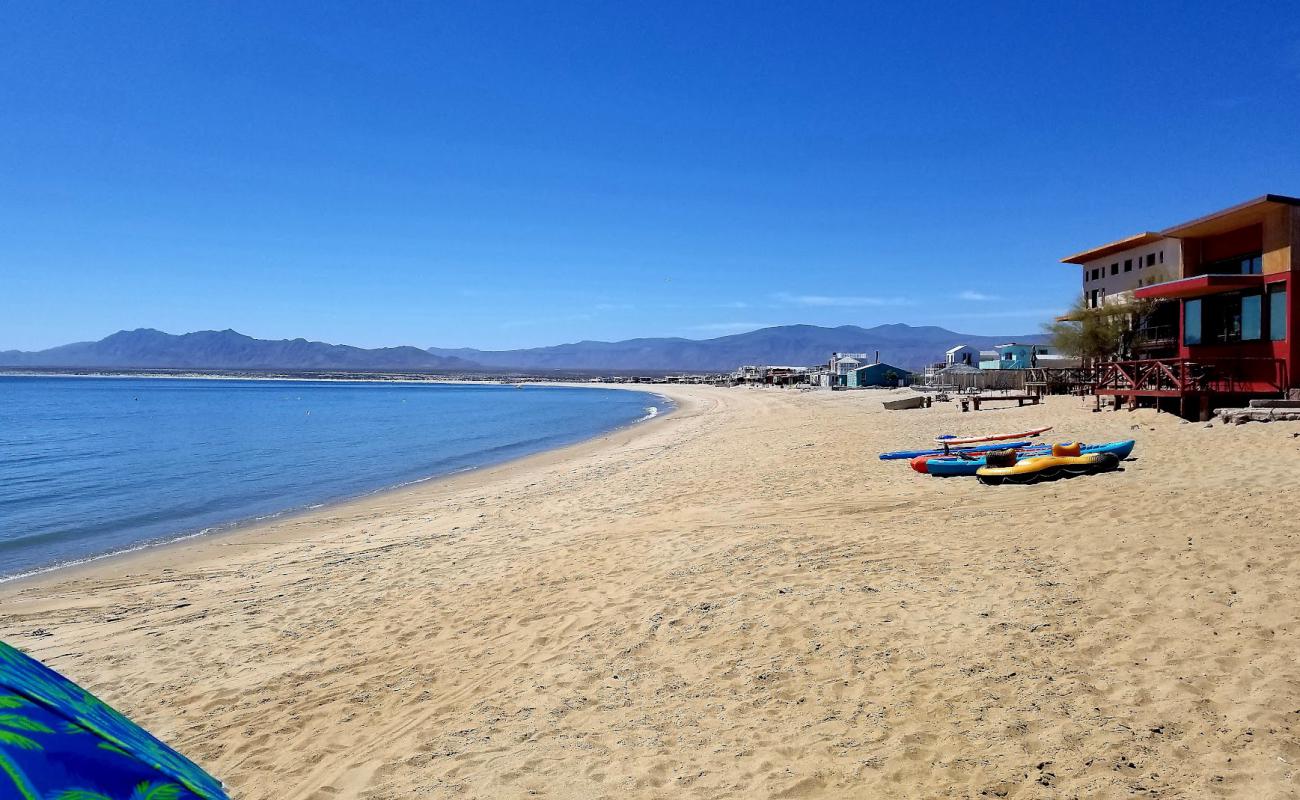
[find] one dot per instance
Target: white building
(1111, 272)
(844, 363)
(962, 354)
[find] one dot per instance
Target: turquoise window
(1252, 321)
(1192, 322)
(1277, 313)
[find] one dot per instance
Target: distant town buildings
(1014, 355)
(962, 354)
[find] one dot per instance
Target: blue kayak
(945, 467)
(983, 448)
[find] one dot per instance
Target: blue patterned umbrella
(60, 742)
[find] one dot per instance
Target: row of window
(1240, 317)
(1249, 264)
(1148, 260)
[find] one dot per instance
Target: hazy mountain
(146, 348)
(899, 344)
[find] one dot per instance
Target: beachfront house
(962, 354)
(873, 375)
(841, 364)
(1221, 327)
(1014, 355)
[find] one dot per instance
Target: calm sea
(90, 466)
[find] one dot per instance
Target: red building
(1223, 328)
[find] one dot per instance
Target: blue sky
(514, 174)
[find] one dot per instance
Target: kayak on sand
(993, 437)
(954, 466)
(901, 454)
(1061, 463)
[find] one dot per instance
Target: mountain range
(901, 345)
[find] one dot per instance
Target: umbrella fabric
(60, 742)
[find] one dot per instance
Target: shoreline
(249, 526)
(139, 556)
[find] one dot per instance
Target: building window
(1096, 273)
(1248, 264)
(1128, 265)
(1252, 319)
(1192, 322)
(1277, 312)
(1224, 319)
(1114, 268)
(1162, 256)
(1151, 259)
(1092, 299)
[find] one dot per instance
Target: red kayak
(993, 437)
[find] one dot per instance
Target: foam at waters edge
(651, 413)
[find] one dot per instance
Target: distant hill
(899, 344)
(148, 348)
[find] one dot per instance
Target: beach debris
(1262, 411)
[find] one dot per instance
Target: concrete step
(1275, 403)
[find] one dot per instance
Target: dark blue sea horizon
(93, 466)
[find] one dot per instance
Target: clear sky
(502, 175)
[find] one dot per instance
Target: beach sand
(737, 600)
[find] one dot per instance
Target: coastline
(251, 527)
(738, 600)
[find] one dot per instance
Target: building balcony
(1199, 286)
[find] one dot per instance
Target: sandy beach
(736, 600)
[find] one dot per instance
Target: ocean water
(91, 466)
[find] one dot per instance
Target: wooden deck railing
(1182, 376)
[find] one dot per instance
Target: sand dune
(737, 600)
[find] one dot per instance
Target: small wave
(650, 413)
(134, 548)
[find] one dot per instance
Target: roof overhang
(1251, 212)
(1137, 240)
(1107, 310)
(1199, 286)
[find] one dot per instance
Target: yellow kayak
(1065, 462)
